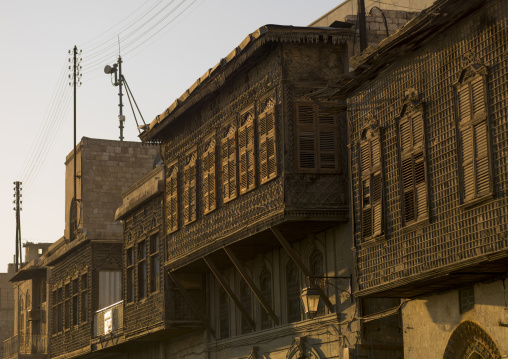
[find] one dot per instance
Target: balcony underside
(462, 274)
(294, 226)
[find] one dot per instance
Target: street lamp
(310, 295)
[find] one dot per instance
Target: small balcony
(25, 345)
(109, 320)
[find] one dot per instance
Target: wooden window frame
(75, 301)
(172, 198)
(246, 152)
(317, 139)
(229, 157)
(142, 282)
(130, 280)
(190, 189)
(209, 185)
(473, 188)
(413, 161)
(67, 306)
(267, 135)
(84, 298)
(370, 173)
(155, 270)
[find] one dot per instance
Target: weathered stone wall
(434, 318)
(107, 168)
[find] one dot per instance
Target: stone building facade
(428, 142)
(6, 305)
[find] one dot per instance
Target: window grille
(154, 264)
(84, 298)
(172, 199)
(228, 164)
(189, 190)
(246, 154)
(142, 284)
(209, 183)
(130, 274)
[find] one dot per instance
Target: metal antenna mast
(18, 202)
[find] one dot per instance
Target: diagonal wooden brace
(298, 261)
(248, 279)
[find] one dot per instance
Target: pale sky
(164, 52)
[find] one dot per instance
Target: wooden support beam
(243, 272)
(187, 297)
(298, 261)
(224, 283)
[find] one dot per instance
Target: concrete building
(428, 141)
(6, 305)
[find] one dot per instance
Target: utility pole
(17, 201)
(76, 81)
(121, 117)
(361, 25)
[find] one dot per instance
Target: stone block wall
(6, 308)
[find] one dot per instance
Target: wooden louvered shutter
(474, 139)
(481, 159)
(228, 161)
(267, 152)
(365, 165)
(327, 137)
(407, 170)
(209, 199)
(306, 143)
(224, 150)
(246, 157)
(376, 187)
(419, 166)
(189, 192)
(172, 201)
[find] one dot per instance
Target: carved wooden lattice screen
(209, 198)
(246, 155)
(228, 161)
(172, 199)
(316, 139)
(414, 189)
(474, 139)
(371, 186)
(189, 190)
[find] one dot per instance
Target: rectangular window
(130, 275)
(267, 146)
(209, 198)
(142, 284)
(474, 139)
(67, 306)
(317, 138)
(172, 199)
(414, 185)
(60, 309)
(246, 155)
(54, 298)
(189, 191)
(371, 186)
(228, 162)
(75, 296)
(154, 264)
(84, 298)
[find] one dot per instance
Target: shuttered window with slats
(209, 185)
(317, 138)
(474, 139)
(189, 190)
(246, 155)
(267, 148)
(172, 199)
(228, 164)
(414, 185)
(371, 187)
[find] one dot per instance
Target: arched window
(73, 218)
(265, 284)
(223, 314)
(293, 292)
(246, 298)
(317, 270)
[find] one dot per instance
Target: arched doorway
(470, 341)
